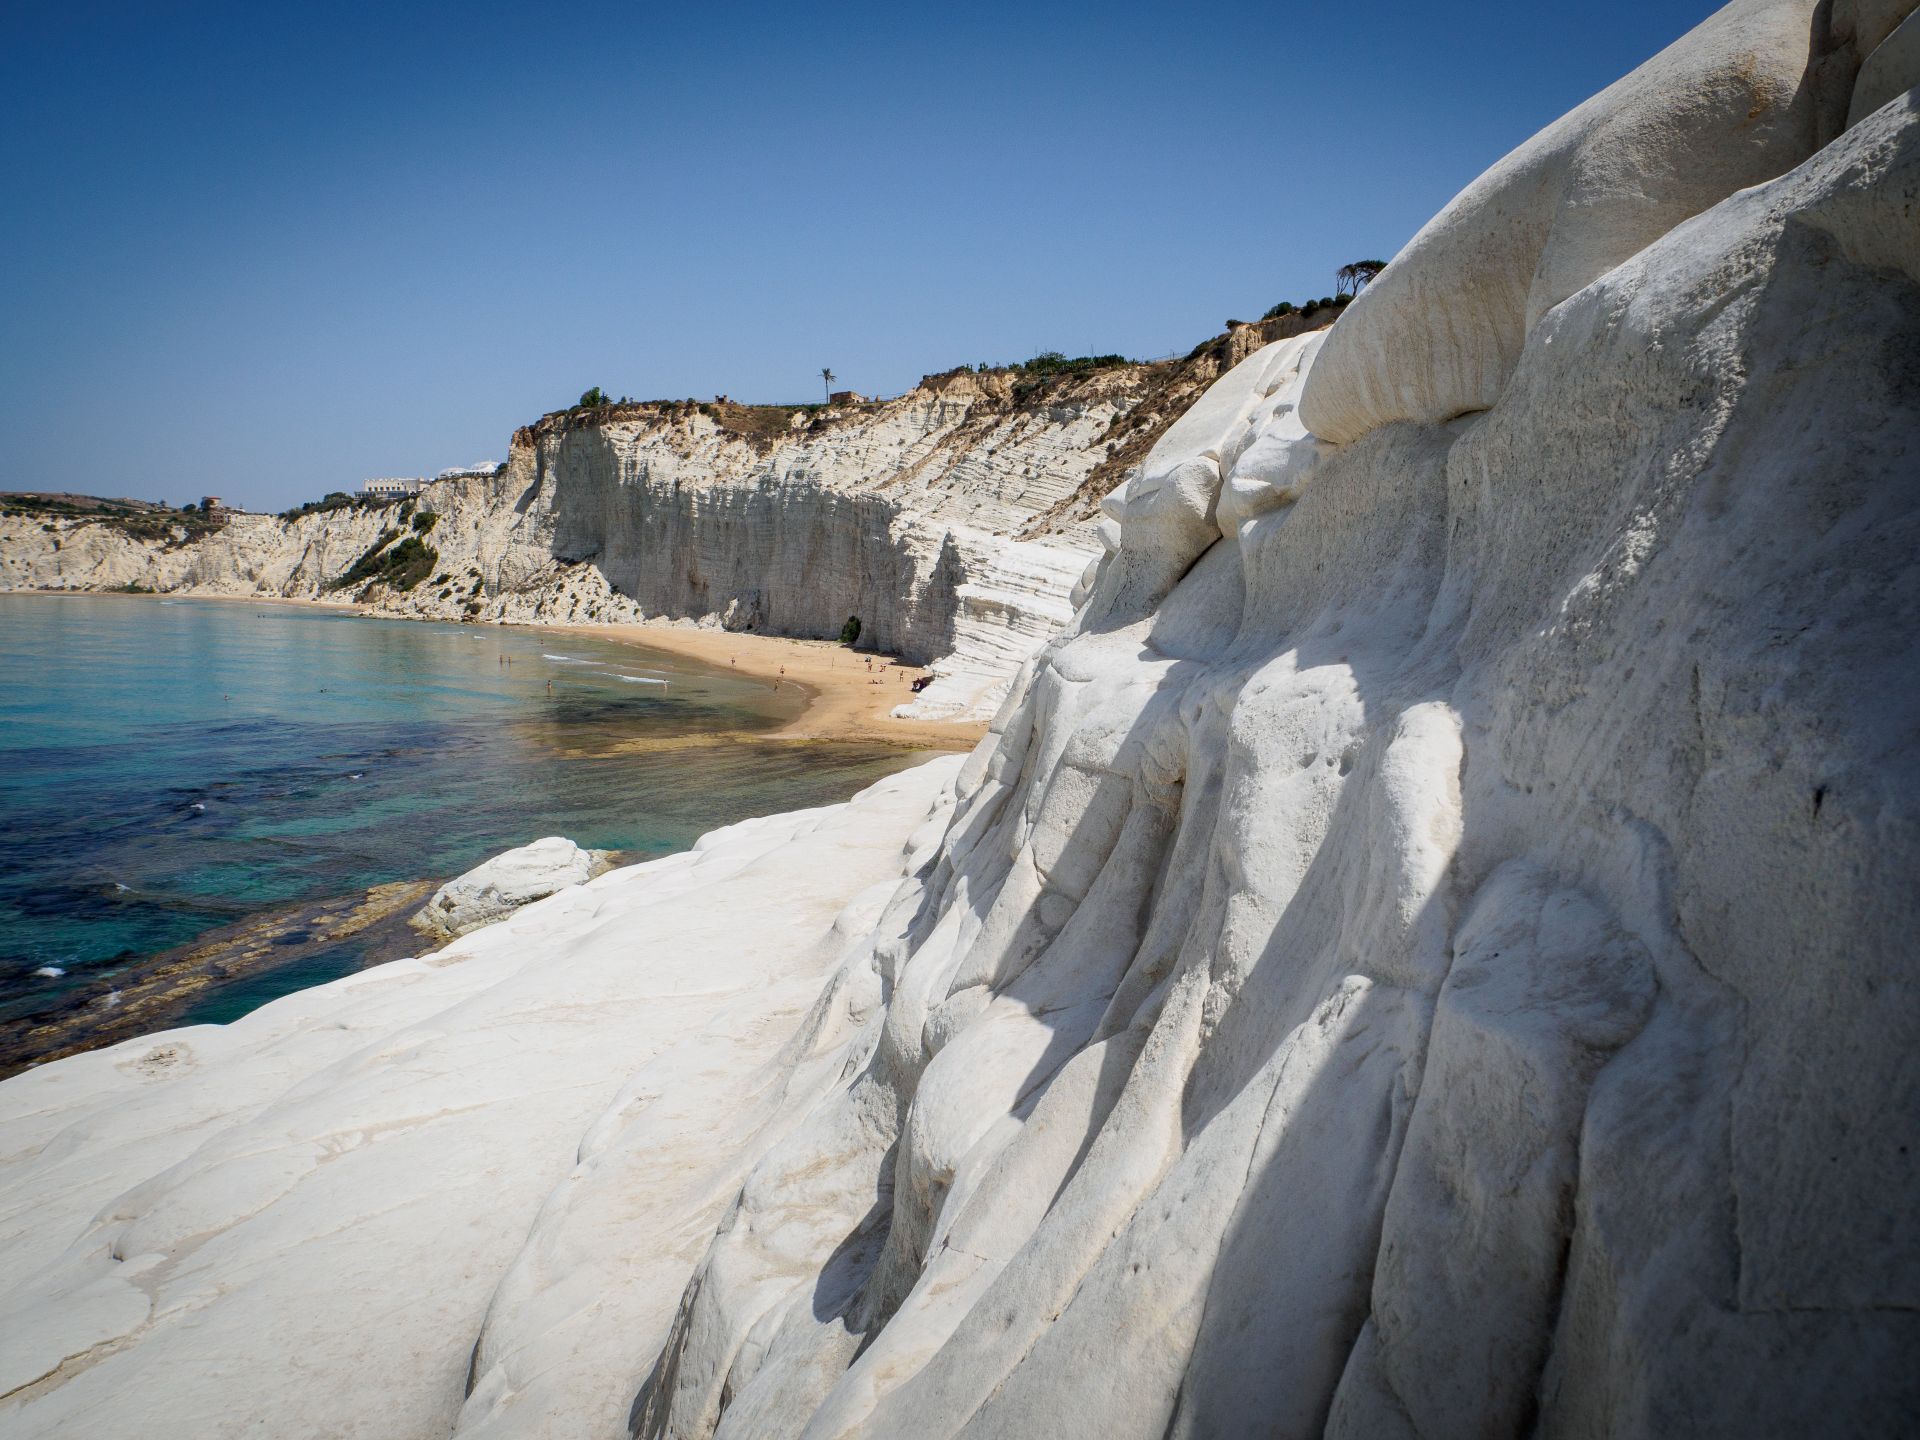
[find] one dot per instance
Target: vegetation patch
(399, 566)
(1349, 281)
(1308, 308)
(335, 500)
(151, 521)
(1051, 362)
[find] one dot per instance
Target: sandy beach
(845, 702)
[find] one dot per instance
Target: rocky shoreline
(159, 991)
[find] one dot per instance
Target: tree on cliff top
(593, 399)
(1352, 279)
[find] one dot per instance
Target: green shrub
(425, 521)
(1052, 362)
(410, 562)
(850, 632)
(332, 500)
(402, 566)
(369, 560)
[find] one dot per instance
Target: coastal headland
(953, 521)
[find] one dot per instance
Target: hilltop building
(391, 487)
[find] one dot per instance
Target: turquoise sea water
(170, 767)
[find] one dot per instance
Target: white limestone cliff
(1426, 952)
(953, 521)
(903, 513)
(1420, 957)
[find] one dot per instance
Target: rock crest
(496, 888)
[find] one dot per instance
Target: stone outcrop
(495, 888)
(1427, 951)
(1735, 102)
(1416, 960)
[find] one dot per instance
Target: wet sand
(849, 693)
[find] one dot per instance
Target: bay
(171, 767)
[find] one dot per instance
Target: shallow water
(170, 767)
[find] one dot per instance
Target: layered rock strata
(1426, 952)
(1424, 955)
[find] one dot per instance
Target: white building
(391, 487)
(477, 470)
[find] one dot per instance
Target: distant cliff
(954, 520)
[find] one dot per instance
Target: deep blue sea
(171, 767)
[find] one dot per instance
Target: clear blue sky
(265, 251)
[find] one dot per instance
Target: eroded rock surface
(1426, 954)
(1428, 951)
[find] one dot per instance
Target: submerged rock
(496, 888)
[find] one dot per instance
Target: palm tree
(827, 375)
